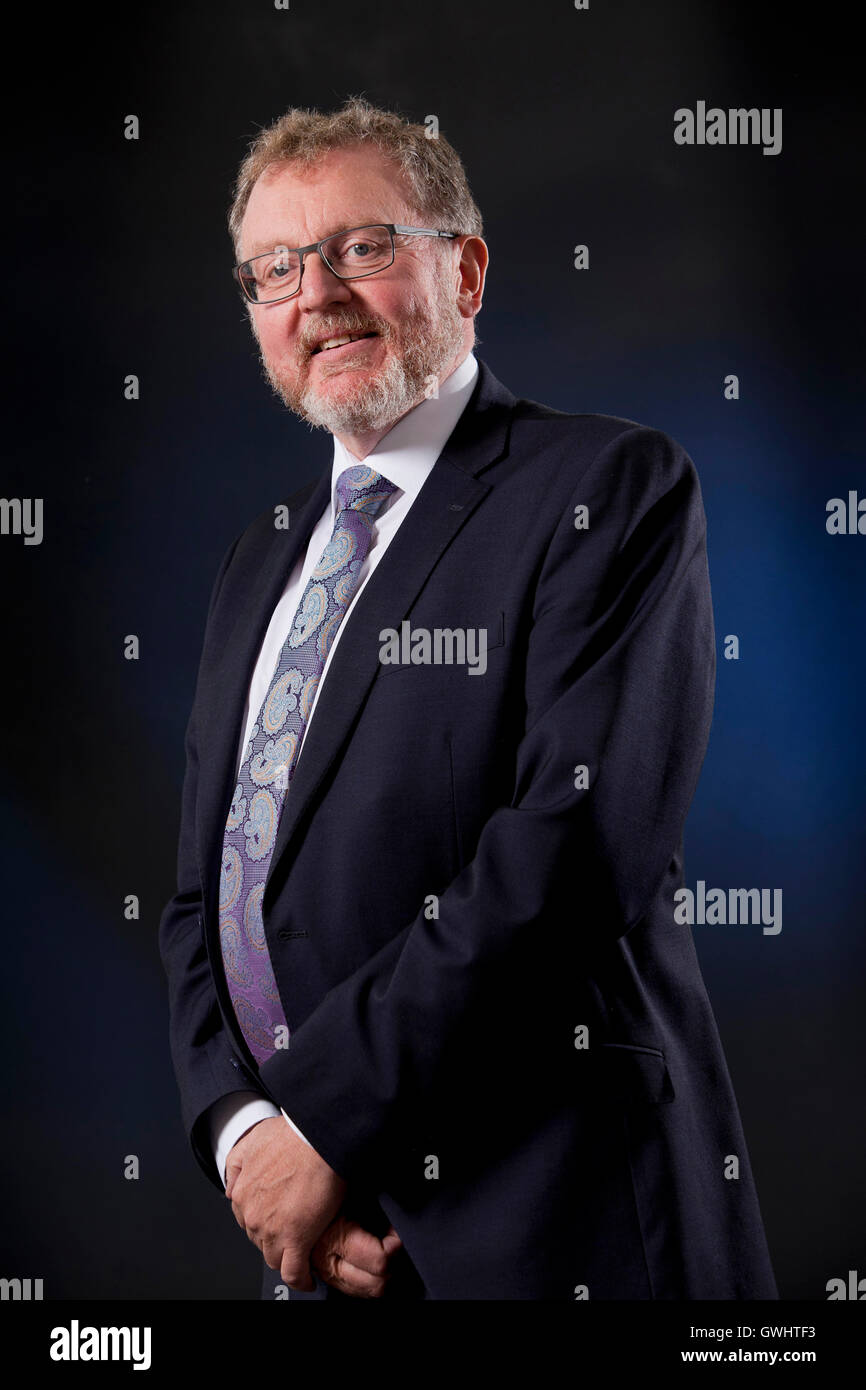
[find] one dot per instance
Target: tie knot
(362, 489)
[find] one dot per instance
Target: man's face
(410, 309)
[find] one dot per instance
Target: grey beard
(373, 406)
(431, 339)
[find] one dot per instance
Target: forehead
(292, 205)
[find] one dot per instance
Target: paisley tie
(271, 755)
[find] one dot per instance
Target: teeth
(338, 342)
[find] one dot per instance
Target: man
(432, 1017)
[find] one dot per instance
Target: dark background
(703, 262)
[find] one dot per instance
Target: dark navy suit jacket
(441, 1039)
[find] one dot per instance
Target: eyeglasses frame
(393, 228)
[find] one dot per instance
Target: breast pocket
(638, 1075)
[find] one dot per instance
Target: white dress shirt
(405, 457)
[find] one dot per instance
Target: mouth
(340, 342)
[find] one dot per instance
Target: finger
(272, 1252)
(363, 1250)
(349, 1279)
(391, 1241)
(294, 1267)
(239, 1216)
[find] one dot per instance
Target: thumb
(391, 1241)
(362, 1249)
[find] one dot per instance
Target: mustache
(333, 327)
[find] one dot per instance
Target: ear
(472, 272)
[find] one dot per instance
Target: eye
(359, 248)
(350, 249)
(280, 266)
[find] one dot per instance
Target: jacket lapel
(443, 506)
(220, 724)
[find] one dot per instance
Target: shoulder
(572, 446)
(625, 463)
(260, 545)
(276, 519)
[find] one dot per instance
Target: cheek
(274, 336)
(395, 304)
(385, 301)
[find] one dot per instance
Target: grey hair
(431, 168)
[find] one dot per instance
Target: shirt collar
(409, 450)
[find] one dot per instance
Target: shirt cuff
(233, 1116)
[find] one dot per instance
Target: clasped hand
(287, 1199)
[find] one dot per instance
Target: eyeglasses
(277, 274)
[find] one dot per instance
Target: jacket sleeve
(202, 1052)
(618, 676)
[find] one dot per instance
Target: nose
(320, 286)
